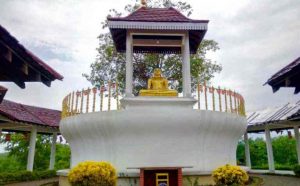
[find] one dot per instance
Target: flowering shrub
(230, 175)
(91, 173)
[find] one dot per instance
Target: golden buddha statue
(158, 86)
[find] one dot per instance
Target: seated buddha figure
(158, 86)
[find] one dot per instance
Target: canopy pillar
(247, 150)
(53, 151)
(32, 143)
(269, 150)
(129, 65)
(186, 67)
(297, 138)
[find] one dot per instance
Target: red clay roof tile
(30, 114)
(144, 14)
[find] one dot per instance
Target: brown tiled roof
(30, 114)
(290, 72)
(14, 44)
(144, 14)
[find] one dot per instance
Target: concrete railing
(107, 98)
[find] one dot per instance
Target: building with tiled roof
(25, 114)
(26, 119)
(19, 65)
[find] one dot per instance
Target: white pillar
(31, 151)
(247, 150)
(186, 67)
(129, 66)
(53, 151)
(297, 138)
(269, 150)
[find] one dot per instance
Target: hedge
(23, 176)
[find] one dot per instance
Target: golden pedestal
(168, 93)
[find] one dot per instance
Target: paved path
(271, 180)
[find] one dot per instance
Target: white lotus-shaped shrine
(155, 132)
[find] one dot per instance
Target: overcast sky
(257, 38)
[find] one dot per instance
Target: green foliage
(240, 153)
(284, 150)
(62, 157)
(23, 176)
(110, 65)
(17, 147)
(9, 163)
(296, 170)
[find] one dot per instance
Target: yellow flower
(92, 173)
(229, 174)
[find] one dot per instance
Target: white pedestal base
(155, 132)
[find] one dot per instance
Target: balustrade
(107, 98)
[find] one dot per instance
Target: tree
(17, 149)
(110, 65)
(284, 150)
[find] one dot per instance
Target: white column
(186, 67)
(53, 151)
(31, 151)
(269, 150)
(247, 150)
(297, 138)
(129, 66)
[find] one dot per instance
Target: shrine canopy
(289, 76)
(156, 30)
(19, 65)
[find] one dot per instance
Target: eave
(19, 65)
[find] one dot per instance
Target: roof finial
(143, 3)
